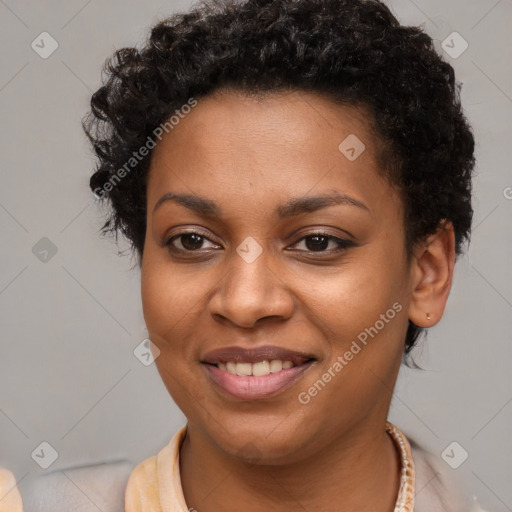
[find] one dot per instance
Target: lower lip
(253, 388)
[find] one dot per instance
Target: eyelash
(343, 244)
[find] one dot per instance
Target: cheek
(354, 297)
(169, 295)
(360, 370)
(362, 312)
(170, 304)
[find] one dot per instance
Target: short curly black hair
(353, 51)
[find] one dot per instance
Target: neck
(360, 471)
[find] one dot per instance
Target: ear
(432, 267)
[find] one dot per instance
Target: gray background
(68, 374)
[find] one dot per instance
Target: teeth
(255, 369)
(259, 369)
(243, 368)
(276, 366)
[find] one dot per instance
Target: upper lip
(255, 355)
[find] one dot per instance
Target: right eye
(190, 241)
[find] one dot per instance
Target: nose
(251, 291)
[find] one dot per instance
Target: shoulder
(109, 486)
(155, 483)
(142, 490)
(437, 486)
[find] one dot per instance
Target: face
(277, 291)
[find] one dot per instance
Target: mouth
(255, 373)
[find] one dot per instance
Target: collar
(160, 475)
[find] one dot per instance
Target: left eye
(318, 242)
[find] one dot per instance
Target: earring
(428, 316)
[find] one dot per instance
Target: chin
(251, 444)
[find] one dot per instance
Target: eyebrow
(293, 207)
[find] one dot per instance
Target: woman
(305, 193)
(295, 179)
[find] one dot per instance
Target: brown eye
(319, 242)
(190, 242)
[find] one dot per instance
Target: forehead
(296, 119)
(264, 146)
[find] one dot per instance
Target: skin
(251, 155)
